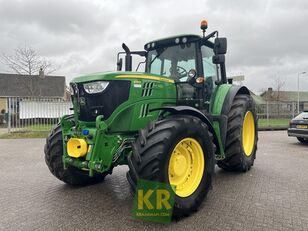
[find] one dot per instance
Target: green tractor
(171, 123)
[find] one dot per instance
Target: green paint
(127, 119)
(217, 101)
(221, 154)
(108, 136)
(218, 98)
(113, 76)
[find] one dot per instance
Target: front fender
(223, 99)
(186, 110)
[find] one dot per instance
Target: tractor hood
(124, 92)
(120, 76)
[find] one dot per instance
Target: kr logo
(162, 199)
(153, 201)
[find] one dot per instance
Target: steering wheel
(180, 72)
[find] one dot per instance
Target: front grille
(104, 103)
(147, 89)
(144, 110)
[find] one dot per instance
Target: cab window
(174, 62)
(156, 66)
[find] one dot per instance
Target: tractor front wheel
(178, 151)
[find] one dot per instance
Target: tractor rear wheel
(179, 151)
(242, 135)
(53, 158)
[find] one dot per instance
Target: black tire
(152, 151)
(302, 140)
(236, 160)
(53, 157)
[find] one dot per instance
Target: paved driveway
(272, 196)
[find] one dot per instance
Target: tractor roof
(169, 41)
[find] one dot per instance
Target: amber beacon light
(203, 26)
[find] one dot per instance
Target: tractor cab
(195, 63)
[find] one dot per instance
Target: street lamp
(301, 73)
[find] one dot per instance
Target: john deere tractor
(170, 123)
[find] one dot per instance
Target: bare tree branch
(279, 84)
(25, 60)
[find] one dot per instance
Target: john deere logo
(153, 201)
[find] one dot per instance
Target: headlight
(95, 87)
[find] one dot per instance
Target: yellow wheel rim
(186, 167)
(248, 133)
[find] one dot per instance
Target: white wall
(43, 109)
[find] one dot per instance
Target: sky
(267, 39)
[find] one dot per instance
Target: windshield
(174, 62)
(303, 115)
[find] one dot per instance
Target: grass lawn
(38, 127)
(24, 135)
(31, 131)
(273, 123)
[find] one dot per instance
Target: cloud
(64, 17)
(265, 37)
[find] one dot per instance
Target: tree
(279, 84)
(26, 61)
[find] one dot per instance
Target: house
(258, 99)
(15, 85)
(287, 97)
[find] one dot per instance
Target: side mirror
(119, 64)
(218, 59)
(192, 76)
(220, 46)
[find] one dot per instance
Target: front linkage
(91, 148)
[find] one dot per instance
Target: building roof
(284, 96)
(15, 85)
(258, 99)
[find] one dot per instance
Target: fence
(41, 114)
(35, 114)
(276, 114)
